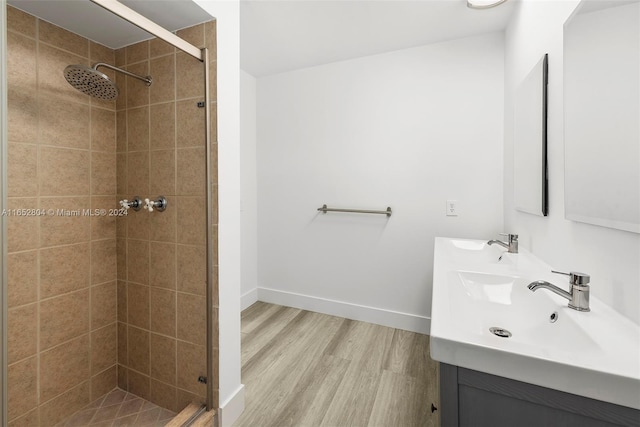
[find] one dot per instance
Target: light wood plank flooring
(305, 369)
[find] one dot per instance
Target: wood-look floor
(304, 369)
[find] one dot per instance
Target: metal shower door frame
(201, 55)
(3, 204)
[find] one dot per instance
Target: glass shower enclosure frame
(201, 55)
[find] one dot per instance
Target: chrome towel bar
(325, 209)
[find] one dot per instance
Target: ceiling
(279, 36)
(95, 23)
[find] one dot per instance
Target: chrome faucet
(511, 245)
(579, 295)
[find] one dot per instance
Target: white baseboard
(378, 316)
(247, 299)
(231, 410)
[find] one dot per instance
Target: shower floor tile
(119, 408)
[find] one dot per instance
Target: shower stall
(109, 184)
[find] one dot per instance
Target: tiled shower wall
(73, 333)
(162, 255)
(62, 269)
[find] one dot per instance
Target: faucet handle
(512, 237)
(576, 278)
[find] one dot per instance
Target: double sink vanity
(511, 356)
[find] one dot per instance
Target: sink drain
(502, 333)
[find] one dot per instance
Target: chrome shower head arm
(146, 79)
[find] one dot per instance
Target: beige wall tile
(138, 261)
(30, 419)
(22, 335)
(214, 124)
(191, 220)
(121, 131)
(121, 222)
(138, 129)
(138, 384)
(163, 395)
(104, 382)
(184, 398)
(213, 80)
(163, 72)
(63, 318)
(21, 62)
(22, 170)
(137, 52)
(163, 126)
(104, 226)
(121, 82)
(22, 117)
(138, 349)
(64, 269)
(51, 81)
(192, 269)
(121, 254)
(104, 352)
(163, 227)
(121, 56)
(191, 179)
(162, 173)
(122, 300)
(137, 90)
(22, 385)
(63, 39)
(22, 274)
(193, 35)
(67, 225)
(138, 223)
(192, 324)
(162, 259)
(189, 77)
(103, 130)
(210, 37)
(138, 174)
(122, 378)
(103, 173)
(163, 359)
(103, 305)
(101, 53)
(190, 124)
(163, 311)
(122, 174)
(103, 261)
(66, 404)
(64, 367)
(21, 22)
(138, 305)
(63, 172)
(191, 364)
(122, 344)
(158, 47)
(64, 123)
(22, 231)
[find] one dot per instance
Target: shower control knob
(160, 204)
(135, 203)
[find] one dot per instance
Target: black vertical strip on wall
(545, 164)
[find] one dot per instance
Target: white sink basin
(594, 354)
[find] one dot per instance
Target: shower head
(95, 83)
(91, 81)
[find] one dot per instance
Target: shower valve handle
(160, 203)
(135, 203)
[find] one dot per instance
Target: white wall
(248, 191)
(611, 257)
(407, 129)
(227, 14)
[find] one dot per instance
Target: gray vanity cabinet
(471, 398)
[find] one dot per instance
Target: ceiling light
(484, 4)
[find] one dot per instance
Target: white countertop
(594, 354)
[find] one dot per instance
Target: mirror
(602, 114)
(530, 142)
